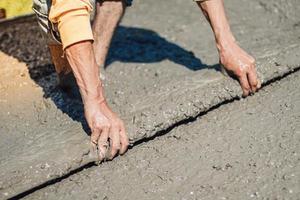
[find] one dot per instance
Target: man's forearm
(215, 13)
(82, 61)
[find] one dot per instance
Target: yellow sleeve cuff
(74, 27)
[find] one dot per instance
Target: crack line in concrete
(145, 140)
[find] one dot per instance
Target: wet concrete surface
(248, 149)
(162, 69)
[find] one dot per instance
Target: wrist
(93, 95)
(224, 40)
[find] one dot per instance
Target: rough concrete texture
(248, 149)
(161, 70)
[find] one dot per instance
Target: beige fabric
(73, 20)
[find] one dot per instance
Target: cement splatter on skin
(41, 132)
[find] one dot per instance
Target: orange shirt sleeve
(73, 20)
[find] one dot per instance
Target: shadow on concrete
(138, 45)
(22, 39)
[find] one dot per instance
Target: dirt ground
(248, 149)
(162, 72)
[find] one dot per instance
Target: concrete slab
(161, 70)
(248, 149)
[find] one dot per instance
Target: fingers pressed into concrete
(124, 141)
(252, 78)
(103, 144)
(244, 84)
(114, 137)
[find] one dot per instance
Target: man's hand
(240, 65)
(234, 59)
(108, 130)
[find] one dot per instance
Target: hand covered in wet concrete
(108, 131)
(240, 65)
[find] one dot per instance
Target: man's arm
(103, 122)
(72, 20)
(234, 59)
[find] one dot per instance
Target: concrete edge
(193, 102)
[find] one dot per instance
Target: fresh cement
(162, 69)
